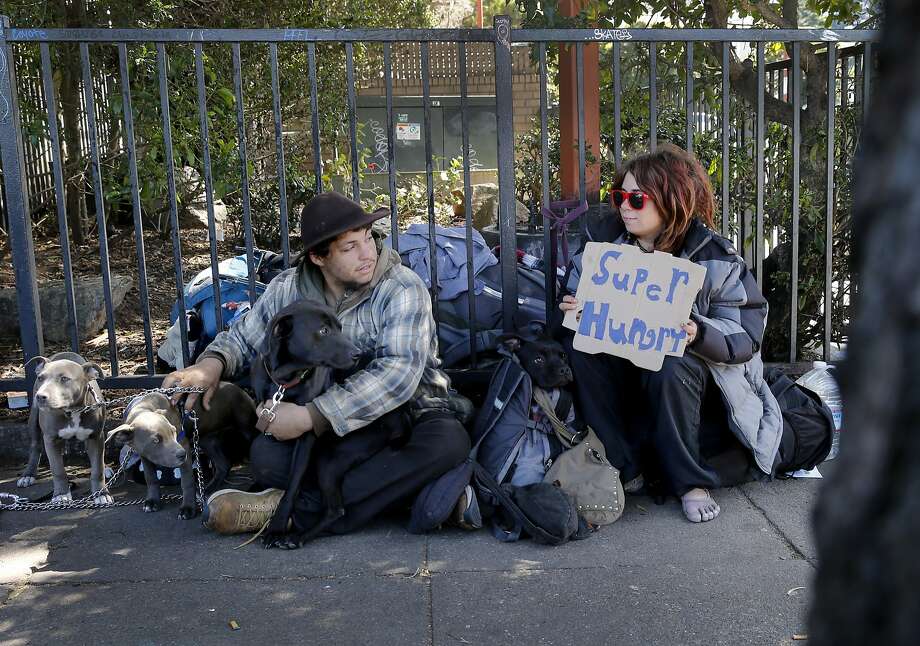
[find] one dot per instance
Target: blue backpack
(199, 302)
(513, 440)
(510, 455)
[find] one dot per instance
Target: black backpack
(807, 424)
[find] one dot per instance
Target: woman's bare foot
(699, 507)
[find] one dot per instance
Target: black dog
(304, 346)
(543, 359)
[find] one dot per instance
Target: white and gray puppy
(154, 428)
(64, 385)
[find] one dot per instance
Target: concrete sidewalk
(119, 576)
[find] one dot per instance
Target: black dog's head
(543, 359)
(302, 336)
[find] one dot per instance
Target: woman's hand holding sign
(690, 328)
(568, 304)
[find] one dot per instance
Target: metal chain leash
(20, 503)
(199, 493)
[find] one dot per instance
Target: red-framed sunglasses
(636, 198)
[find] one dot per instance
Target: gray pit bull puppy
(153, 428)
(65, 384)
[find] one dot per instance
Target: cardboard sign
(633, 303)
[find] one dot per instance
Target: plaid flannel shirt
(390, 320)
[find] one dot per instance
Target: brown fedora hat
(331, 214)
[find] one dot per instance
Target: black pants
(672, 420)
(438, 443)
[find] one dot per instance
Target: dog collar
(73, 412)
(289, 384)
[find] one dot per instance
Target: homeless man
(385, 310)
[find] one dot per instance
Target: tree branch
(743, 78)
(767, 13)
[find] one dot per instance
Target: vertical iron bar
(16, 196)
(244, 169)
(726, 134)
(867, 77)
(208, 183)
(90, 102)
(759, 167)
(580, 91)
(653, 95)
(549, 232)
(504, 112)
(429, 180)
(844, 80)
(60, 198)
(796, 151)
(128, 114)
(352, 119)
(279, 156)
(829, 220)
(689, 98)
(617, 107)
(391, 148)
(467, 200)
(173, 204)
(314, 117)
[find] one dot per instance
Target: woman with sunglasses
(706, 419)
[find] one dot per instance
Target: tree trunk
(866, 520)
(74, 13)
(73, 149)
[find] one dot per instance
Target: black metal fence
(707, 105)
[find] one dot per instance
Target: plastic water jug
(820, 380)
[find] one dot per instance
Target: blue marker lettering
(637, 328)
(650, 343)
(677, 276)
(617, 333)
(641, 277)
(678, 335)
(603, 274)
(589, 319)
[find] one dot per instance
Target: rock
(90, 307)
(196, 217)
(484, 205)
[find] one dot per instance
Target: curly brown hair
(678, 185)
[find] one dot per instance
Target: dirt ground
(129, 319)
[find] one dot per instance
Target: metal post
(17, 206)
(506, 208)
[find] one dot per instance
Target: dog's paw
(282, 541)
(152, 505)
(25, 481)
(187, 513)
(103, 498)
(61, 497)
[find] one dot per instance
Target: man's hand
(690, 328)
(291, 420)
(204, 374)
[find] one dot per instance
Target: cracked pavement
(120, 576)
